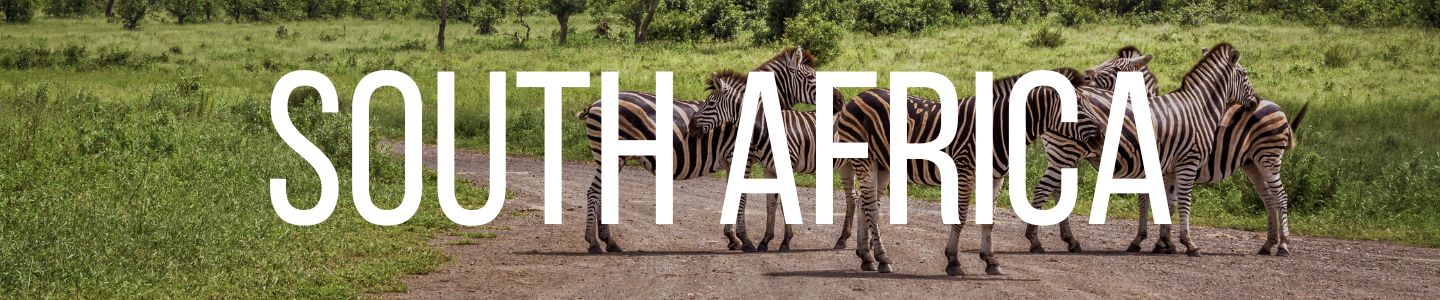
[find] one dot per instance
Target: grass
(131, 181)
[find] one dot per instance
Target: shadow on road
(870, 275)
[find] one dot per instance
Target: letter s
(280, 116)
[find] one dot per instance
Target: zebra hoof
(1264, 251)
(1193, 253)
(839, 245)
(748, 248)
(1075, 248)
(733, 246)
(867, 266)
(762, 248)
(953, 269)
(1163, 249)
(1037, 249)
(1133, 248)
(993, 269)
(1282, 252)
(615, 248)
(784, 248)
(595, 249)
(886, 268)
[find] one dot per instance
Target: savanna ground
(137, 161)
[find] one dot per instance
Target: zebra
(700, 149)
(1187, 121)
(1063, 150)
(865, 119)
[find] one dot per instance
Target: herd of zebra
(1206, 130)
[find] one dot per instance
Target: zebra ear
(1204, 51)
(799, 56)
(1234, 56)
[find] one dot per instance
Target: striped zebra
(701, 147)
(1064, 150)
(1187, 122)
(866, 120)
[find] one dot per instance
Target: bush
(1047, 38)
(675, 26)
(485, 16)
(817, 35)
(1071, 15)
(131, 12)
(68, 8)
(1339, 56)
(778, 12)
(1429, 12)
(880, 16)
(17, 11)
(722, 20)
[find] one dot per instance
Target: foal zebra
(1187, 123)
(702, 146)
(866, 120)
(1064, 150)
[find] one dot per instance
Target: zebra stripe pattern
(1186, 123)
(1064, 150)
(865, 120)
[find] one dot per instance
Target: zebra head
(795, 77)
(1128, 59)
(722, 106)
(1220, 73)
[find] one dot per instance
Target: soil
(689, 259)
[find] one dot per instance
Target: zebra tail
(1295, 125)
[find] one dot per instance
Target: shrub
(485, 16)
(17, 11)
(1429, 12)
(1071, 15)
(778, 12)
(880, 16)
(1339, 56)
(675, 26)
(722, 20)
(74, 55)
(817, 35)
(131, 12)
(68, 8)
(1047, 37)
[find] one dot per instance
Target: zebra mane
(787, 52)
(726, 75)
(1222, 54)
(1129, 52)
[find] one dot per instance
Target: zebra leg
(1281, 203)
(1164, 244)
(740, 228)
(1073, 244)
(592, 213)
(1190, 248)
(868, 196)
(952, 245)
(1143, 224)
(883, 179)
(992, 264)
(771, 201)
(1038, 197)
(847, 183)
(1257, 182)
(611, 243)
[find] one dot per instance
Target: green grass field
(137, 161)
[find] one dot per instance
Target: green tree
(563, 9)
(132, 12)
(182, 10)
(17, 11)
(68, 8)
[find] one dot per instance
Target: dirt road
(688, 259)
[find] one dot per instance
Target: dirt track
(689, 260)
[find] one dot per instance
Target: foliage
(69, 8)
(722, 20)
(777, 13)
(1047, 38)
(1339, 56)
(18, 11)
(881, 16)
(184, 10)
(676, 26)
(817, 35)
(131, 12)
